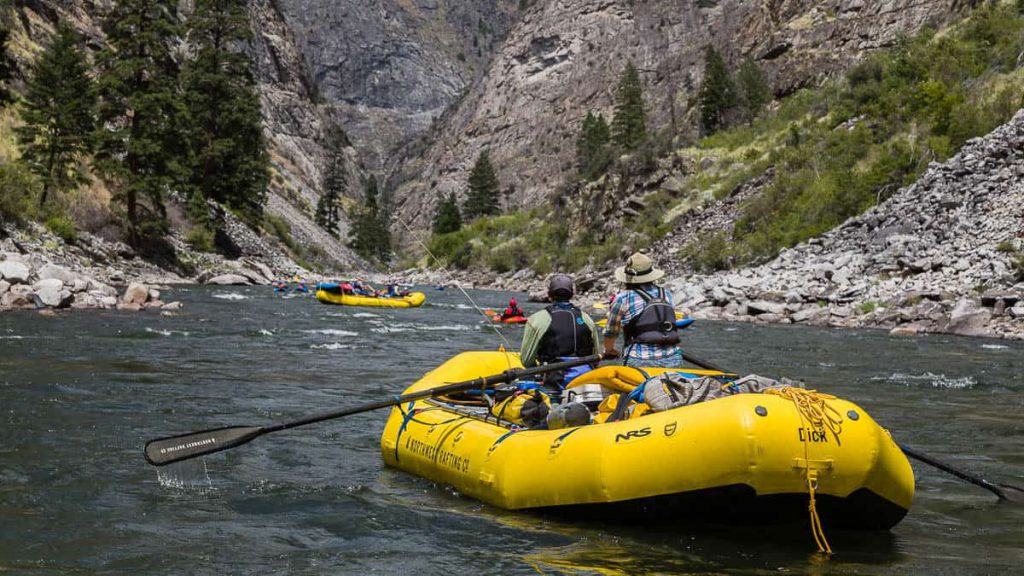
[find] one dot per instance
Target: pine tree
(229, 160)
(334, 181)
(58, 112)
(447, 219)
(139, 143)
(371, 238)
(754, 89)
(6, 67)
(718, 94)
(382, 224)
(592, 151)
(629, 123)
(484, 189)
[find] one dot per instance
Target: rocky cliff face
(563, 58)
(386, 68)
(382, 69)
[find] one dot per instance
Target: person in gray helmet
(559, 331)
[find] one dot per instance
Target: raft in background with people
(358, 293)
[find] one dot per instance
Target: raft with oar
(744, 458)
(328, 295)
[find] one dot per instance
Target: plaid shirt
(627, 306)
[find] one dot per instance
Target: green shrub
(867, 307)
(17, 193)
(62, 226)
(711, 253)
(200, 238)
(280, 228)
(452, 249)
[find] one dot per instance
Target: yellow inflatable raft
(412, 300)
(746, 458)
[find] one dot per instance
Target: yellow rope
(813, 407)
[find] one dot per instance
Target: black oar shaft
(702, 363)
(954, 471)
(161, 451)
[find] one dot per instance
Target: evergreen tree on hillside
(718, 94)
(629, 127)
(139, 143)
(228, 153)
(593, 153)
(57, 111)
(334, 182)
(6, 67)
(382, 223)
(484, 189)
(371, 237)
(754, 89)
(447, 219)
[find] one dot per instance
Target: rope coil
(813, 408)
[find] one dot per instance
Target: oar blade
(164, 451)
(1012, 494)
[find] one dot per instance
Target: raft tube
(742, 459)
(412, 300)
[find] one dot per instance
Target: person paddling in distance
(560, 331)
(644, 314)
(512, 311)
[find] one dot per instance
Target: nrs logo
(639, 433)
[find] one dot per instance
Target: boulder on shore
(230, 280)
(14, 272)
(51, 296)
(136, 293)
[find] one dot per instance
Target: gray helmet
(560, 287)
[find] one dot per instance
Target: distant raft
(743, 459)
(333, 294)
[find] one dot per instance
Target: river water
(80, 393)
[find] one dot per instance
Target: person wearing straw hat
(644, 314)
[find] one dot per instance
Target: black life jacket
(568, 334)
(656, 324)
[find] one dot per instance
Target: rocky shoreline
(39, 270)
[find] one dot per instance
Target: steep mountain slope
(386, 68)
(382, 69)
(945, 254)
(563, 58)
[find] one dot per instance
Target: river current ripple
(81, 392)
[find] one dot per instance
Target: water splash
(167, 332)
(191, 475)
(332, 332)
(230, 296)
(936, 380)
(994, 346)
(397, 328)
(332, 346)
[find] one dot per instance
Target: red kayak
(511, 319)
